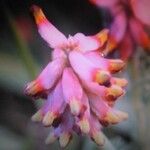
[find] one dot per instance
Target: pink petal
(138, 33)
(55, 102)
(72, 91)
(51, 73)
(94, 88)
(54, 106)
(81, 65)
(110, 65)
(48, 32)
(47, 78)
(86, 43)
(95, 131)
(96, 58)
(117, 31)
(84, 118)
(87, 70)
(98, 106)
(104, 3)
(141, 10)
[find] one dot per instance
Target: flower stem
(22, 46)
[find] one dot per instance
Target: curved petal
(47, 78)
(72, 91)
(106, 114)
(138, 33)
(111, 65)
(98, 106)
(86, 69)
(141, 10)
(54, 105)
(84, 118)
(117, 31)
(86, 43)
(47, 30)
(95, 131)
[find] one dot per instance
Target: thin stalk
(22, 46)
(23, 50)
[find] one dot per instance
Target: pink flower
(127, 31)
(77, 84)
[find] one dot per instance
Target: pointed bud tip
(33, 88)
(37, 117)
(113, 92)
(116, 65)
(119, 82)
(75, 107)
(102, 77)
(38, 14)
(64, 139)
(50, 139)
(102, 36)
(49, 118)
(114, 117)
(99, 138)
(84, 126)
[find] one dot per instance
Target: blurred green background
(23, 54)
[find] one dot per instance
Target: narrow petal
(141, 10)
(114, 116)
(72, 91)
(84, 118)
(87, 70)
(106, 114)
(47, 31)
(64, 139)
(98, 106)
(117, 31)
(95, 131)
(54, 106)
(138, 33)
(93, 43)
(111, 65)
(47, 78)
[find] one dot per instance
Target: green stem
(23, 50)
(22, 46)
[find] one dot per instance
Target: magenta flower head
(77, 84)
(128, 28)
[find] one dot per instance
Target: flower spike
(78, 85)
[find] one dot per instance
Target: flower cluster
(128, 28)
(77, 84)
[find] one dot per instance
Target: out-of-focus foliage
(17, 132)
